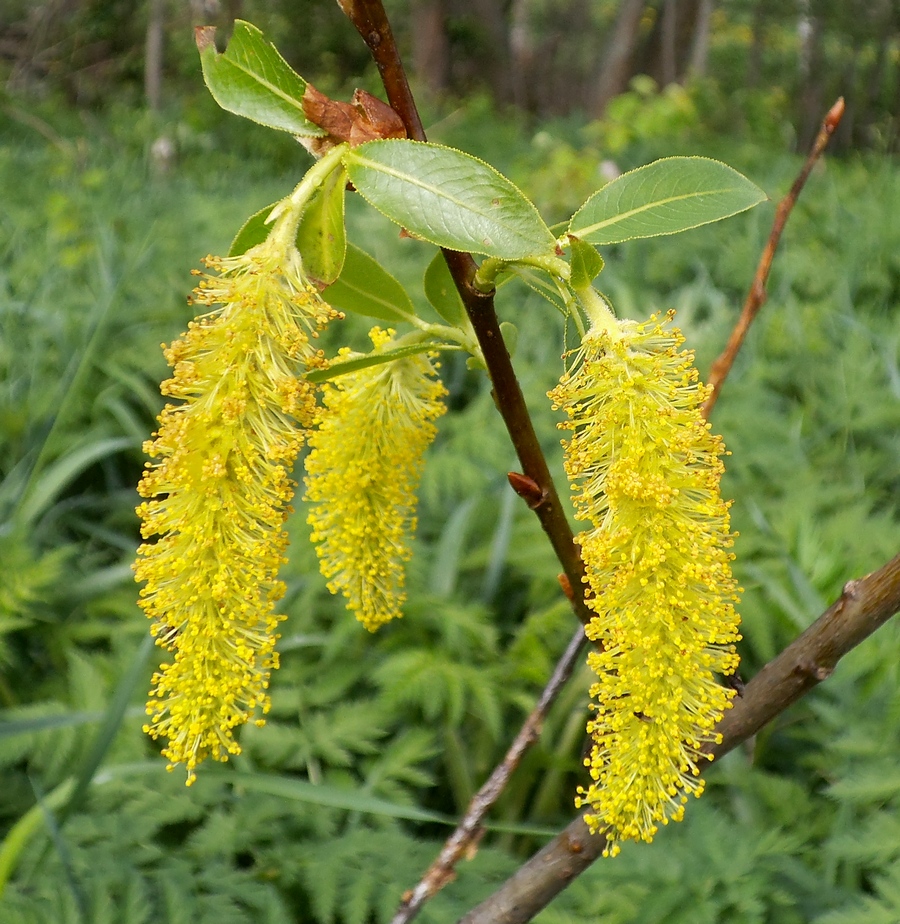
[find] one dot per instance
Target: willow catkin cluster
(645, 473)
(217, 494)
(362, 475)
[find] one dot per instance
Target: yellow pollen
(362, 476)
(645, 473)
(217, 495)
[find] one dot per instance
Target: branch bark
(864, 606)
(370, 20)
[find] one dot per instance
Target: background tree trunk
(431, 46)
(757, 43)
(667, 40)
(700, 43)
(521, 51)
(615, 71)
(811, 96)
(153, 53)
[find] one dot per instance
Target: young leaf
(586, 264)
(322, 237)
(375, 359)
(364, 287)
(441, 291)
(252, 80)
(510, 334)
(665, 197)
(448, 198)
(253, 231)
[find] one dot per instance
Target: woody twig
(757, 295)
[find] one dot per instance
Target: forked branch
(469, 830)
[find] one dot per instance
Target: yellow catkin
(645, 473)
(362, 475)
(218, 491)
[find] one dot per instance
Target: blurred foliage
(395, 731)
(771, 67)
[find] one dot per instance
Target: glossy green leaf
(252, 80)
(322, 237)
(365, 287)
(448, 198)
(441, 291)
(586, 264)
(665, 197)
(253, 231)
(376, 359)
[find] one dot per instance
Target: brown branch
(535, 486)
(469, 830)
(371, 22)
(757, 295)
(862, 608)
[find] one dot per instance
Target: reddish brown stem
(756, 297)
(371, 22)
(862, 608)
(469, 830)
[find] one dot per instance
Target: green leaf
(441, 291)
(510, 334)
(376, 359)
(112, 721)
(15, 727)
(352, 799)
(665, 197)
(586, 264)
(18, 836)
(365, 287)
(65, 470)
(253, 231)
(448, 198)
(322, 237)
(252, 80)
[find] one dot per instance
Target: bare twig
(862, 608)
(756, 297)
(469, 830)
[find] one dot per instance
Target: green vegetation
(375, 742)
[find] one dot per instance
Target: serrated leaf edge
(583, 233)
(354, 157)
